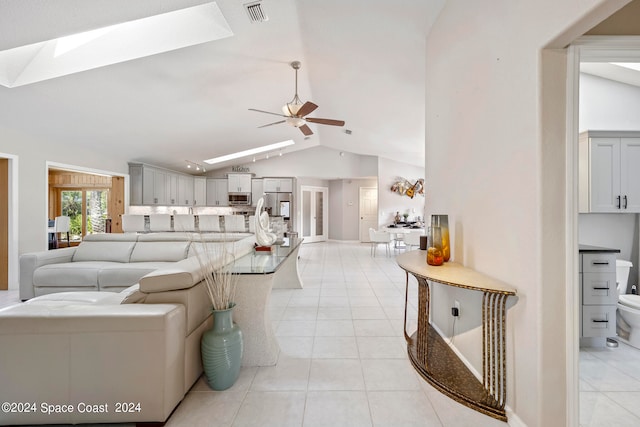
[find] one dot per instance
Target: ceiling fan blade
(267, 112)
(306, 130)
(325, 121)
(306, 108)
(271, 124)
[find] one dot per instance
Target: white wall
(33, 155)
(389, 202)
(491, 150)
(344, 209)
(609, 105)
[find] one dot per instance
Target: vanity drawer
(599, 288)
(599, 321)
(599, 262)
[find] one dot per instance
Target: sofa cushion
(79, 297)
(69, 274)
(160, 251)
(124, 275)
(181, 275)
(111, 237)
(114, 251)
(132, 295)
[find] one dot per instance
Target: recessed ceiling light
(250, 152)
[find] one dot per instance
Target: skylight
(111, 45)
(245, 153)
(631, 65)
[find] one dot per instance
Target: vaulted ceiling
(363, 61)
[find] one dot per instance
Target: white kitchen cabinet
(185, 190)
(217, 192)
(609, 172)
(598, 294)
(257, 190)
(156, 186)
(278, 185)
(199, 191)
(239, 182)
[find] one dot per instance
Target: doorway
(368, 211)
(315, 213)
(596, 50)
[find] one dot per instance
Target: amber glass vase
(434, 251)
(442, 221)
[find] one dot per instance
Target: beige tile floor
(343, 360)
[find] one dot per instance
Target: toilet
(628, 313)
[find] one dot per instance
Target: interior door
(368, 211)
(315, 214)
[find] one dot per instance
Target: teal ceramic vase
(221, 348)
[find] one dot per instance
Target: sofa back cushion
(182, 275)
(107, 250)
(160, 251)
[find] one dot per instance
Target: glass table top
(266, 262)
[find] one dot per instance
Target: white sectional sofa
(106, 262)
(106, 357)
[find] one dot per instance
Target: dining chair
(61, 225)
(412, 239)
(379, 238)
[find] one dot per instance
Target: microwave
(239, 199)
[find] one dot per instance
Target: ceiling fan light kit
(295, 111)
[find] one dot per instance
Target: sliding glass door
(87, 209)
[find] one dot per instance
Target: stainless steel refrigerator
(280, 204)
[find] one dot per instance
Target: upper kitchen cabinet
(199, 191)
(239, 182)
(278, 185)
(609, 171)
(217, 192)
(156, 186)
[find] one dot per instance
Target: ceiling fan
(295, 111)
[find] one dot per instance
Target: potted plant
(221, 346)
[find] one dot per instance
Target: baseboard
(513, 419)
(463, 359)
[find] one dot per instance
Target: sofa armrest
(92, 354)
(29, 262)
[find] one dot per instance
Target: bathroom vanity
(598, 295)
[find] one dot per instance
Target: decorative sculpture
(264, 236)
(405, 188)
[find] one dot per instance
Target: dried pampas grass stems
(216, 261)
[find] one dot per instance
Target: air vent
(256, 13)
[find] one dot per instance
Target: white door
(368, 211)
(315, 213)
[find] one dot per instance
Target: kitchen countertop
(593, 249)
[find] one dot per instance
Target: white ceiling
(362, 62)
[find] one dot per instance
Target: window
(87, 209)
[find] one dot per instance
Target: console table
(259, 272)
(435, 361)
